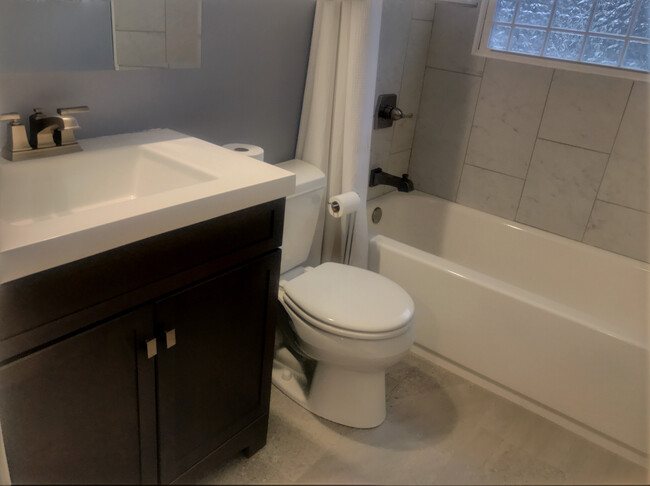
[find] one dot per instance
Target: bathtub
(557, 323)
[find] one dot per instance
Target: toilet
(340, 327)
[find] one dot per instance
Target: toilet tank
(301, 212)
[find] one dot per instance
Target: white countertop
(232, 182)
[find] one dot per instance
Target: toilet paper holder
(337, 210)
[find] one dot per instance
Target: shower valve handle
(388, 112)
(392, 113)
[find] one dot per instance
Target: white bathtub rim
(544, 234)
(582, 318)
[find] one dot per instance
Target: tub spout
(378, 176)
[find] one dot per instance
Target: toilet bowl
(340, 326)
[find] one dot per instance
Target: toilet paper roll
(246, 149)
(342, 204)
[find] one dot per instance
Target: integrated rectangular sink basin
(40, 189)
(118, 190)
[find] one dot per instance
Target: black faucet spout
(378, 176)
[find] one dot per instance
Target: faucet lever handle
(72, 109)
(13, 117)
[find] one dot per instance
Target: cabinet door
(216, 379)
(82, 410)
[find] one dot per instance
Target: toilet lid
(351, 298)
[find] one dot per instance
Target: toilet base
(353, 398)
(348, 397)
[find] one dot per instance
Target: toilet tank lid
(308, 176)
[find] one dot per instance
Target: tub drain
(376, 215)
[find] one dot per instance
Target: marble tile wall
(563, 151)
(403, 48)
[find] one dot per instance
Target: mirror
(157, 33)
(83, 35)
(55, 35)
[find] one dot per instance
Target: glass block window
(612, 33)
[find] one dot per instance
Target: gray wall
(56, 35)
(248, 89)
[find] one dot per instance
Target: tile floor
(440, 429)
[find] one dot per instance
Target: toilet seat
(349, 302)
(338, 331)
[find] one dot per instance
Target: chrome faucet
(48, 134)
(55, 130)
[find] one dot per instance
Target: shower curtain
(336, 122)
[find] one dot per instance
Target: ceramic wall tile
(445, 118)
(423, 9)
(393, 41)
(414, 65)
(452, 38)
(380, 145)
(489, 191)
(398, 163)
(619, 229)
(143, 15)
(561, 188)
(141, 49)
(183, 31)
(411, 87)
(584, 110)
(627, 177)
(403, 134)
(508, 114)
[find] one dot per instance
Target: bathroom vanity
(149, 361)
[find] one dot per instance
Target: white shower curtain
(5, 478)
(337, 112)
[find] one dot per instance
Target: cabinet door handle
(152, 348)
(170, 338)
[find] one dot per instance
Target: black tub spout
(378, 176)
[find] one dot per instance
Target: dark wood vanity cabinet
(70, 411)
(83, 401)
(213, 382)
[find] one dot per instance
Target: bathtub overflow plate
(376, 215)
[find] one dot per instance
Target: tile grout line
(574, 146)
(530, 159)
(424, 75)
(495, 171)
(471, 129)
(622, 206)
(401, 78)
(421, 83)
(609, 157)
(450, 71)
